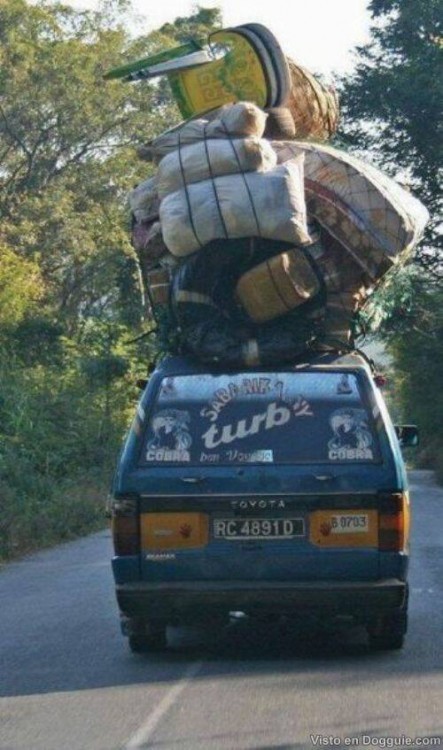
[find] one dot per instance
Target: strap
(188, 199)
(213, 183)
(241, 172)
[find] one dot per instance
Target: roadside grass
(55, 513)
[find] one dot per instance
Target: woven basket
(313, 106)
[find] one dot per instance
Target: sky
(319, 34)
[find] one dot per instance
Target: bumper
(202, 598)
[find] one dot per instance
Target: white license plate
(258, 528)
(341, 523)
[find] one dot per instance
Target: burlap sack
(269, 205)
(144, 201)
(213, 158)
(234, 121)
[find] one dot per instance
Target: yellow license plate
(344, 528)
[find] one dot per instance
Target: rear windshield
(260, 418)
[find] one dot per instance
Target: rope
(214, 185)
(241, 172)
(188, 199)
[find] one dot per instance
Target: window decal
(172, 438)
(352, 439)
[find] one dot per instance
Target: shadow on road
(242, 648)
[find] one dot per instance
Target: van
(262, 491)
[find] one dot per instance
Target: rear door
(242, 474)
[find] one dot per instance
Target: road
(69, 682)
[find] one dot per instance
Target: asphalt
(69, 682)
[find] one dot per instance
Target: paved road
(68, 682)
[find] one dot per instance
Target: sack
(314, 106)
(213, 158)
(239, 120)
(144, 201)
(269, 204)
(278, 286)
(378, 222)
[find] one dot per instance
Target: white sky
(319, 34)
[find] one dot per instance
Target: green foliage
(392, 110)
(392, 103)
(71, 309)
(418, 355)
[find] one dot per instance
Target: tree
(392, 114)
(71, 311)
(392, 103)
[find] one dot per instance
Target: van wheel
(153, 638)
(388, 632)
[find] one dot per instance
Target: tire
(280, 124)
(152, 639)
(387, 633)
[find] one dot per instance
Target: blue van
(263, 491)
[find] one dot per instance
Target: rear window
(260, 418)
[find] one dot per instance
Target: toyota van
(276, 491)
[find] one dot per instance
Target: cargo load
(376, 220)
(256, 244)
(313, 106)
(144, 201)
(240, 120)
(256, 204)
(213, 158)
(278, 285)
(215, 328)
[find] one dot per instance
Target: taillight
(125, 526)
(393, 522)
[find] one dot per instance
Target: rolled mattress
(375, 219)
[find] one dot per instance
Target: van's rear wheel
(387, 633)
(151, 638)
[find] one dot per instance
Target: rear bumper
(201, 598)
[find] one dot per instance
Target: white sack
(213, 158)
(144, 200)
(235, 120)
(278, 200)
(376, 220)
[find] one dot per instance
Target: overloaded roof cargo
(260, 248)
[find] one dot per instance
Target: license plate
(258, 528)
(341, 523)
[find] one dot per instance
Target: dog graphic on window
(171, 430)
(350, 430)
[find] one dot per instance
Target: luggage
(269, 205)
(233, 121)
(213, 328)
(144, 201)
(278, 285)
(378, 222)
(213, 158)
